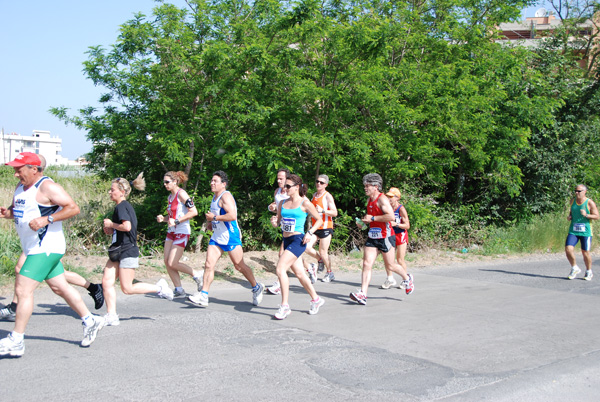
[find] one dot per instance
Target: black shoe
(97, 294)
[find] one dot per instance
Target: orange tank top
(322, 202)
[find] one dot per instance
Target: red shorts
(178, 239)
(401, 238)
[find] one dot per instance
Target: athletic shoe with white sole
(257, 295)
(111, 320)
(320, 266)
(359, 297)
(284, 311)
(179, 293)
(10, 347)
(329, 277)
(315, 305)
(312, 272)
(165, 292)
(274, 289)
(388, 284)
(199, 279)
(89, 333)
(199, 299)
(588, 275)
(574, 271)
(408, 284)
(7, 314)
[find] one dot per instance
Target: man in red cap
(39, 206)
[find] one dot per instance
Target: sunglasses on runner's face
(288, 186)
(579, 191)
(320, 182)
(166, 181)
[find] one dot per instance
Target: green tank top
(580, 225)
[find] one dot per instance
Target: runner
(280, 195)
(582, 211)
(325, 206)
(181, 209)
(401, 224)
(124, 252)
(381, 238)
(38, 209)
(291, 215)
(226, 238)
(94, 290)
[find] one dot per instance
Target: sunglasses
(288, 186)
(579, 191)
(320, 182)
(167, 181)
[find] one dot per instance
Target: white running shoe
(257, 295)
(312, 272)
(199, 299)
(199, 279)
(315, 305)
(388, 284)
(89, 333)
(274, 289)
(111, 320)
(588, 275)
(7, 314)
(284, 311)
(10, 347)
(165, 292)
(329, 277)
(574, 271)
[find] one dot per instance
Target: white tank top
(49, 239)
(176, 210)
(280, 197)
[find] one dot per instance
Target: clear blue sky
(42, 48)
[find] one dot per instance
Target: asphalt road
(515, 331)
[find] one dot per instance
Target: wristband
(177, 222)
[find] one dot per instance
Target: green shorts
(40, 267)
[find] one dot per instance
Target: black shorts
(323, 233)
(383, 245)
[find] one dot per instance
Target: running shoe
(312, 272)
(179, 293)
(359, 297)
(329, 277)
(574, 271)
(257, 295)
(7, 314)
(408, 284)
(10, 347)
(199, 279)
(588, 275)
(284, 311)
(96, 292)
(388, 284)
(89, 333)
(165, 292)
(111, 320)
(315, 305)
(199, 299)
(320, 266)
(274, 289)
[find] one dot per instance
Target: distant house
(533, 30)
(39, 142)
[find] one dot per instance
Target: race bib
(375, 233)
(579, 227)
(18, 214)
(288, 224)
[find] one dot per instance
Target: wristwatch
(372, 219)
(50, 219)
(177, 222)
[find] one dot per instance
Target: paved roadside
(492, 331)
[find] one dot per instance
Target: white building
(39, 142)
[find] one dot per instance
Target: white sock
(391, 278)
(88, 320)
(17, 336)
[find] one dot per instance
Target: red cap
(25, 158)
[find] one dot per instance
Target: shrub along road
(496, 331)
